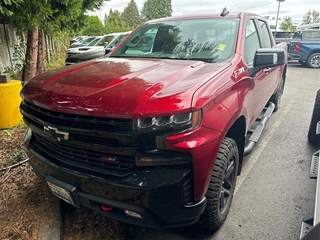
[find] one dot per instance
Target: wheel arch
(314, 51)
(237, 132)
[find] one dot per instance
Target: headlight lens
(190, 120)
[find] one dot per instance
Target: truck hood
(118, 87)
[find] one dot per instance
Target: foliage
(115, 23)
(16, 157)
(8, 132)
(131, 15)
(312, 16)
(92, 26)
(60, 44)
(52, 15)
(18, 60)
(5, 6)
(153, 9)
(57, 61)
(287, 25)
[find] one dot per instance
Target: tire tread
(211, 219)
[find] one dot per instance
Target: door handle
(267, 70)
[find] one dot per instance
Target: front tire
(221, 187)
(312, 136)
(314, 60)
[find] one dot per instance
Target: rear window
(284, 34)
(312, 35)
(308, 35)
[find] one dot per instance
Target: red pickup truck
(155, 133)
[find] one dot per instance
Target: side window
(265, 35)
(251, 43)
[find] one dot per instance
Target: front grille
(69, 120)
(77, 158)
(94, 145)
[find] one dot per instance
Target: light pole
(275, 32)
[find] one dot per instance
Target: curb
(51, 223)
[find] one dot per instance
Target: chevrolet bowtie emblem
(55, 133)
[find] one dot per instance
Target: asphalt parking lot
(274, 191)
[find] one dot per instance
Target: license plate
(61, 193)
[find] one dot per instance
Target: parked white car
(101, 44)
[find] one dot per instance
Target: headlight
(161, 127)
(190, 120)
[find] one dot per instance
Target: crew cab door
(266, 40)
(258, 96)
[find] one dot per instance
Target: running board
(256, 133)
(313, 174)
(310, 227)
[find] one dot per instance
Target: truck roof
(213, 15)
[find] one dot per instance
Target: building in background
(272, 22)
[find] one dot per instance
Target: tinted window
(265, 38)
(251, 43)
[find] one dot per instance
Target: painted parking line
(262, 145)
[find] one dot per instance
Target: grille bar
(70, 120)
(84, 159)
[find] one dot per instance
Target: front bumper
(160, 198)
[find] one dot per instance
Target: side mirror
(268, 57)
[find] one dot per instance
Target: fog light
(132, 214)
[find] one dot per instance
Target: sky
(295, 9)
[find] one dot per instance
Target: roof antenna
(224, 12)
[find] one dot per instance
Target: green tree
(131, 15)
(312, 16)
(115, 23)
(35, 16)
(92, 26)
(106, 17)
(286, 25)
(153, 9)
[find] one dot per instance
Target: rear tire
(314, 60)
(312, 136)
(276, 98)
(221, 187)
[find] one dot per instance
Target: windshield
(94, 42)
(88, 40)
(117, 41)
(209, 40)
(105, 39)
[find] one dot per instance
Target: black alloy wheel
(222, 185)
